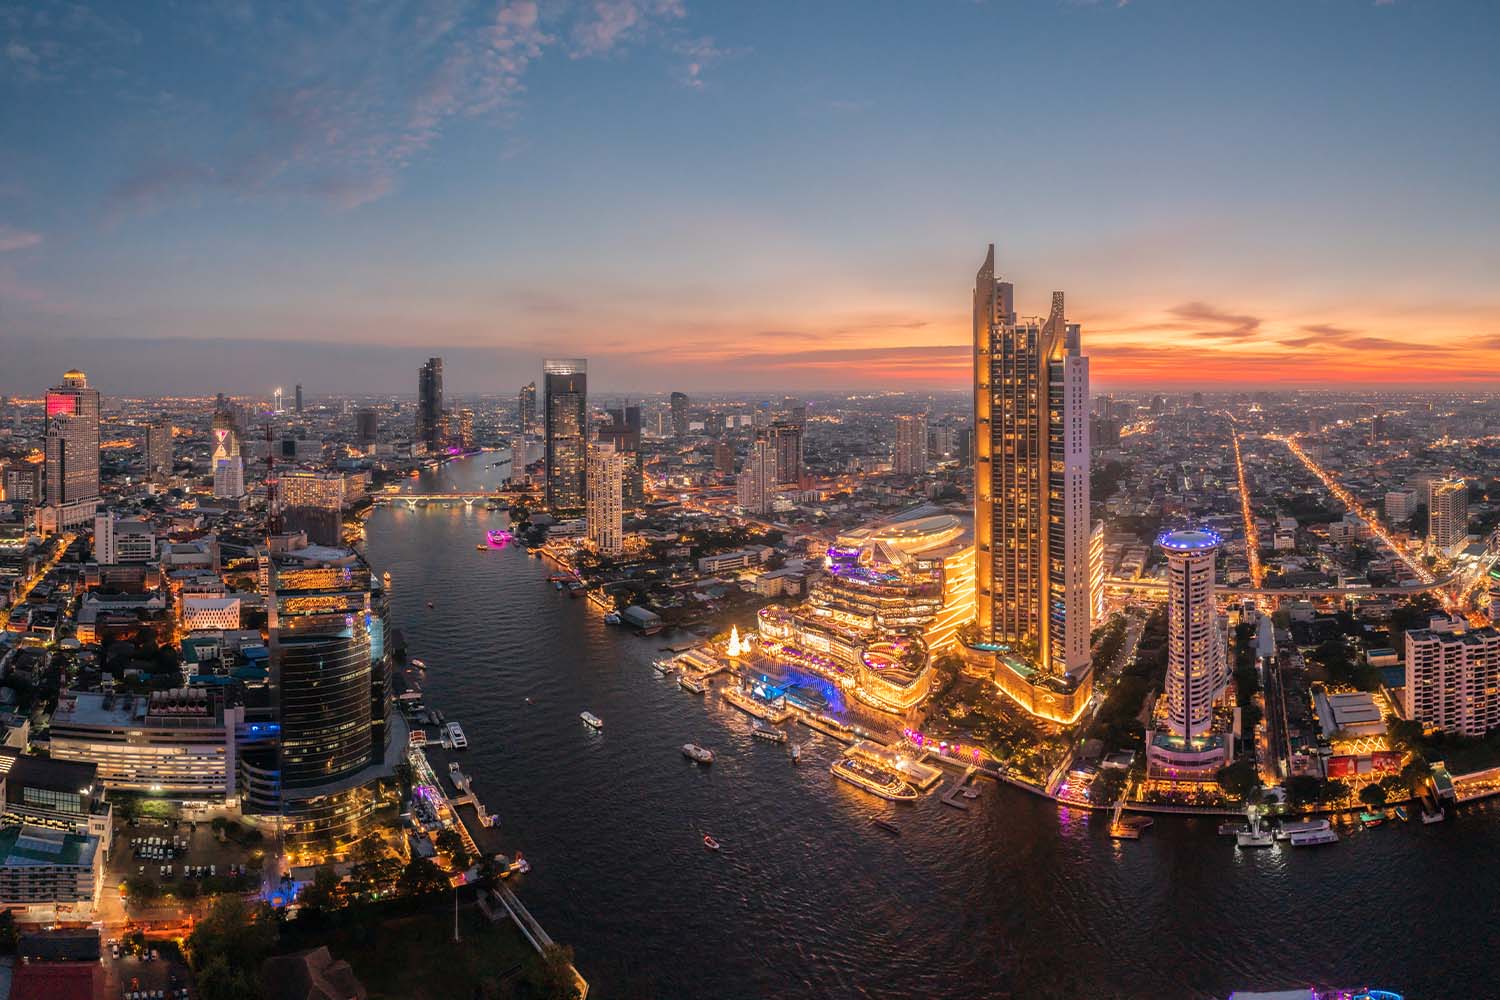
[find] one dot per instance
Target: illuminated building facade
(526, 406)
(909, 457)
(1447, 513)
(874, 622)
(1188, 745)
(1096, 573)
(786, 441)
(604, 512)
(1453, 679)
(623, 433)
(755, 488)
(72, 449)
(566, 419)
(1031, 498)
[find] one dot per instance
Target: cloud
(1225, 325)
(12, 238)
(611, 22)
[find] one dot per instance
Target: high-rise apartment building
(1031, 480)
(1453, 679)
(430, 403)
(466, 429)
(679, 415)
(1096, 575)
(623, 433)
(566, 419)
(229, 478)
(604, 511)
(312, 502)
(526, 406)
(1447, 513)
(756, 485)
(909, 458)
(159, 457)
(786, 442)
(72, 448)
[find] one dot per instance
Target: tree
(421, 876)
(1301, 789)
(1238, 779)
(240, 934)
(218, 980)
(322, 892)
(1373, 796)
(556, 980)
(141, 890)
(371, 847)
(452, 844)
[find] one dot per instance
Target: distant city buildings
(72, 450)
(429, 425)
(366, 427)
(122, 541)
(679, 415)
(159, 452)
(786, 443)
(909, 457)
(298, 403)
(1031, 498)
(1447, 513)
(566, 419)
(604, 509)
(756, 486)
(228, 464)
(526, 407)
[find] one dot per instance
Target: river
(808, 898)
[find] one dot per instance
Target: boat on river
(591, 720)
(692, 684)
(1313, 838)
(873, 778)
(764, 732)
(710, 843)
(1294, 827)
(697, 754)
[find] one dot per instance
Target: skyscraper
(1447, 512)
(1453, 678)
(366, 426)
(72, 448)
(605, 508)
(298, 403)
(756, 486)
(909, 457)
(623, 433)
(566, 417)
(1031, 478)
(228, 466)
(679, 415)
(526, 406)
(430, 402)
(786, 442)
(159, 459)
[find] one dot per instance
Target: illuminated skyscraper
(72, 448)
(1195, 641)
(679, 415)
(786, 442)
(276, 406)
(526, 406)
(756, 486)
(1031, 480)
(228, 466)
(430, 403)
(623, 433)
(909, 457)
(605, 508)
(1447, 513)
(159, 459)
(567, 422)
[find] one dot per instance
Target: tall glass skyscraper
(566, 415)
(1031, 481)
(72, 445)
(430, 402)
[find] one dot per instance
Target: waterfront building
(623, 433)
(159, 458)
(566, 420)
(526, 407)
(679, 415)
(786, 443)
(179, 743)
(755, 489)
(1187, 744)
(1031, 497)
(909, 457)
(1096, 574)
(1453, 678)
(122, 541)
(429, 424)
(1447, 513)
(604, 510)
(72, 450)
(313, 503)
(873, 623)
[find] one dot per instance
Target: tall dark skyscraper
(623, 433)
(72, 443)
(679, 415)
(159, 451)
(298, 403)
(430, 402)
(366, 426)
(1031, 476)
(786, 444)
(526, 406)
(566, 415)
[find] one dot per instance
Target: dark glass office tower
(567, 422)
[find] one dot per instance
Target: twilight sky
(715, 195)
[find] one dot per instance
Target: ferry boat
(591, 720)
(1371, 819)
(1312, 838)
(697, 754)
(874, 779)
(771, 733)
(1255, 838)
(418, 738)
(456, 737)
(664, 667)
(482, 547)
(690, 684)
(1291, 829)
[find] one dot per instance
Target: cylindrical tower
(1195, 652)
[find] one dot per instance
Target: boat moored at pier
(873, 778)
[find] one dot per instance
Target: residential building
(1447, 513)
(118, 540)
(1453, 678)
(159, 456)
(786, 443)
(566, 419)
(313, 502)
(604, 509)
(526, 407)
(909, 456)
(679, 415)
(1188, 745)
(756, 485)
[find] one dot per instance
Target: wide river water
(1015, 897)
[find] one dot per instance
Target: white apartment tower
(1453, 679)
(910, 455)
(756, 486)
(1447, 513)
(604, 506)
(1195, 638)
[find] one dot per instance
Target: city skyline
(171, 220)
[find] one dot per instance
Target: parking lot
(182, 858)
(143, 978)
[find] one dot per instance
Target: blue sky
(725, 195)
